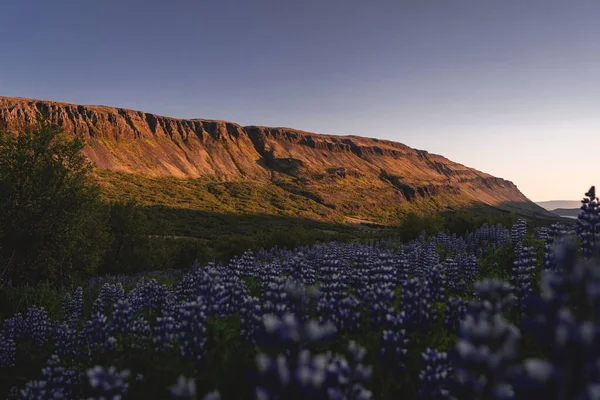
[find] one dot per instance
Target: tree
(51, 220)
(129, 250)
(413, 224)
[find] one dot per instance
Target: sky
(511, 87)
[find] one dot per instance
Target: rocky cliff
(141, 143)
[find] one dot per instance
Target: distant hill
(566, 212)
(556, 204)
(223, 167)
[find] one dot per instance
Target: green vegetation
(50, 216)
(60, 219)
(54, 225)
(63, 224)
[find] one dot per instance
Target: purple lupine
(122, 318)
(294, 369)
(8, 352)
(347, 374)
(190, 325)
(452, 274)
(73, 307)
(164, 332)
(455, 311)
(185, 389)
(60, 379)
(486, 350)
(517, 234)
(14, 327)
(108, 382)
(38, 325)
(522, 276)
(394, 349)
(66, 341)
(588, 222)
(34, 390)
(555, 232)
(95, 335)
(416, 302)
(435, 377)
(250, 318)
(564, 322)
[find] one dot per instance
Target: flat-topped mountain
(340, 172)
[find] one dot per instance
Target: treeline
(459, 222)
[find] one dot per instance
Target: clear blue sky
(509, 87)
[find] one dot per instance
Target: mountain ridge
(567, 212)
(136, 142)
(551, 205)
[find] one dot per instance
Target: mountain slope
(567, 212)
(554, 204)
(357, 176)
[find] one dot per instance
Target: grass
(227, 218)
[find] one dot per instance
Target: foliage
(134, 330)
(130, 240)
(380, 320)
(50, 216)
(413, 224)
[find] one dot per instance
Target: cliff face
(142, 143)
(137, 142)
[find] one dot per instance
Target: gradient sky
(509, 87)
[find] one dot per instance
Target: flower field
(495, 314)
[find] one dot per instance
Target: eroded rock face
(137, 142)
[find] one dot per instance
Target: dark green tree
(413, 224)
(130, 246)
(51, 220)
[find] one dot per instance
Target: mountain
(555, 204)
(567, 212)
(221, 166)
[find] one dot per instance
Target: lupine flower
(296, 372)
(564, 323)
(8, 352)
(555, 232)
(108, 383)
(347, 374)
(190, 329)
(73, 306)
(66, 340)
(14, 327)
(588, 222)
(486, 349)
(436, 376)
(518, 232)
(164, 332)
(38, 326)
(60, 382)
(522, 276)
(416, 302)
(394, 348)
(184, 389)
(455, 311)
(34, 390)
